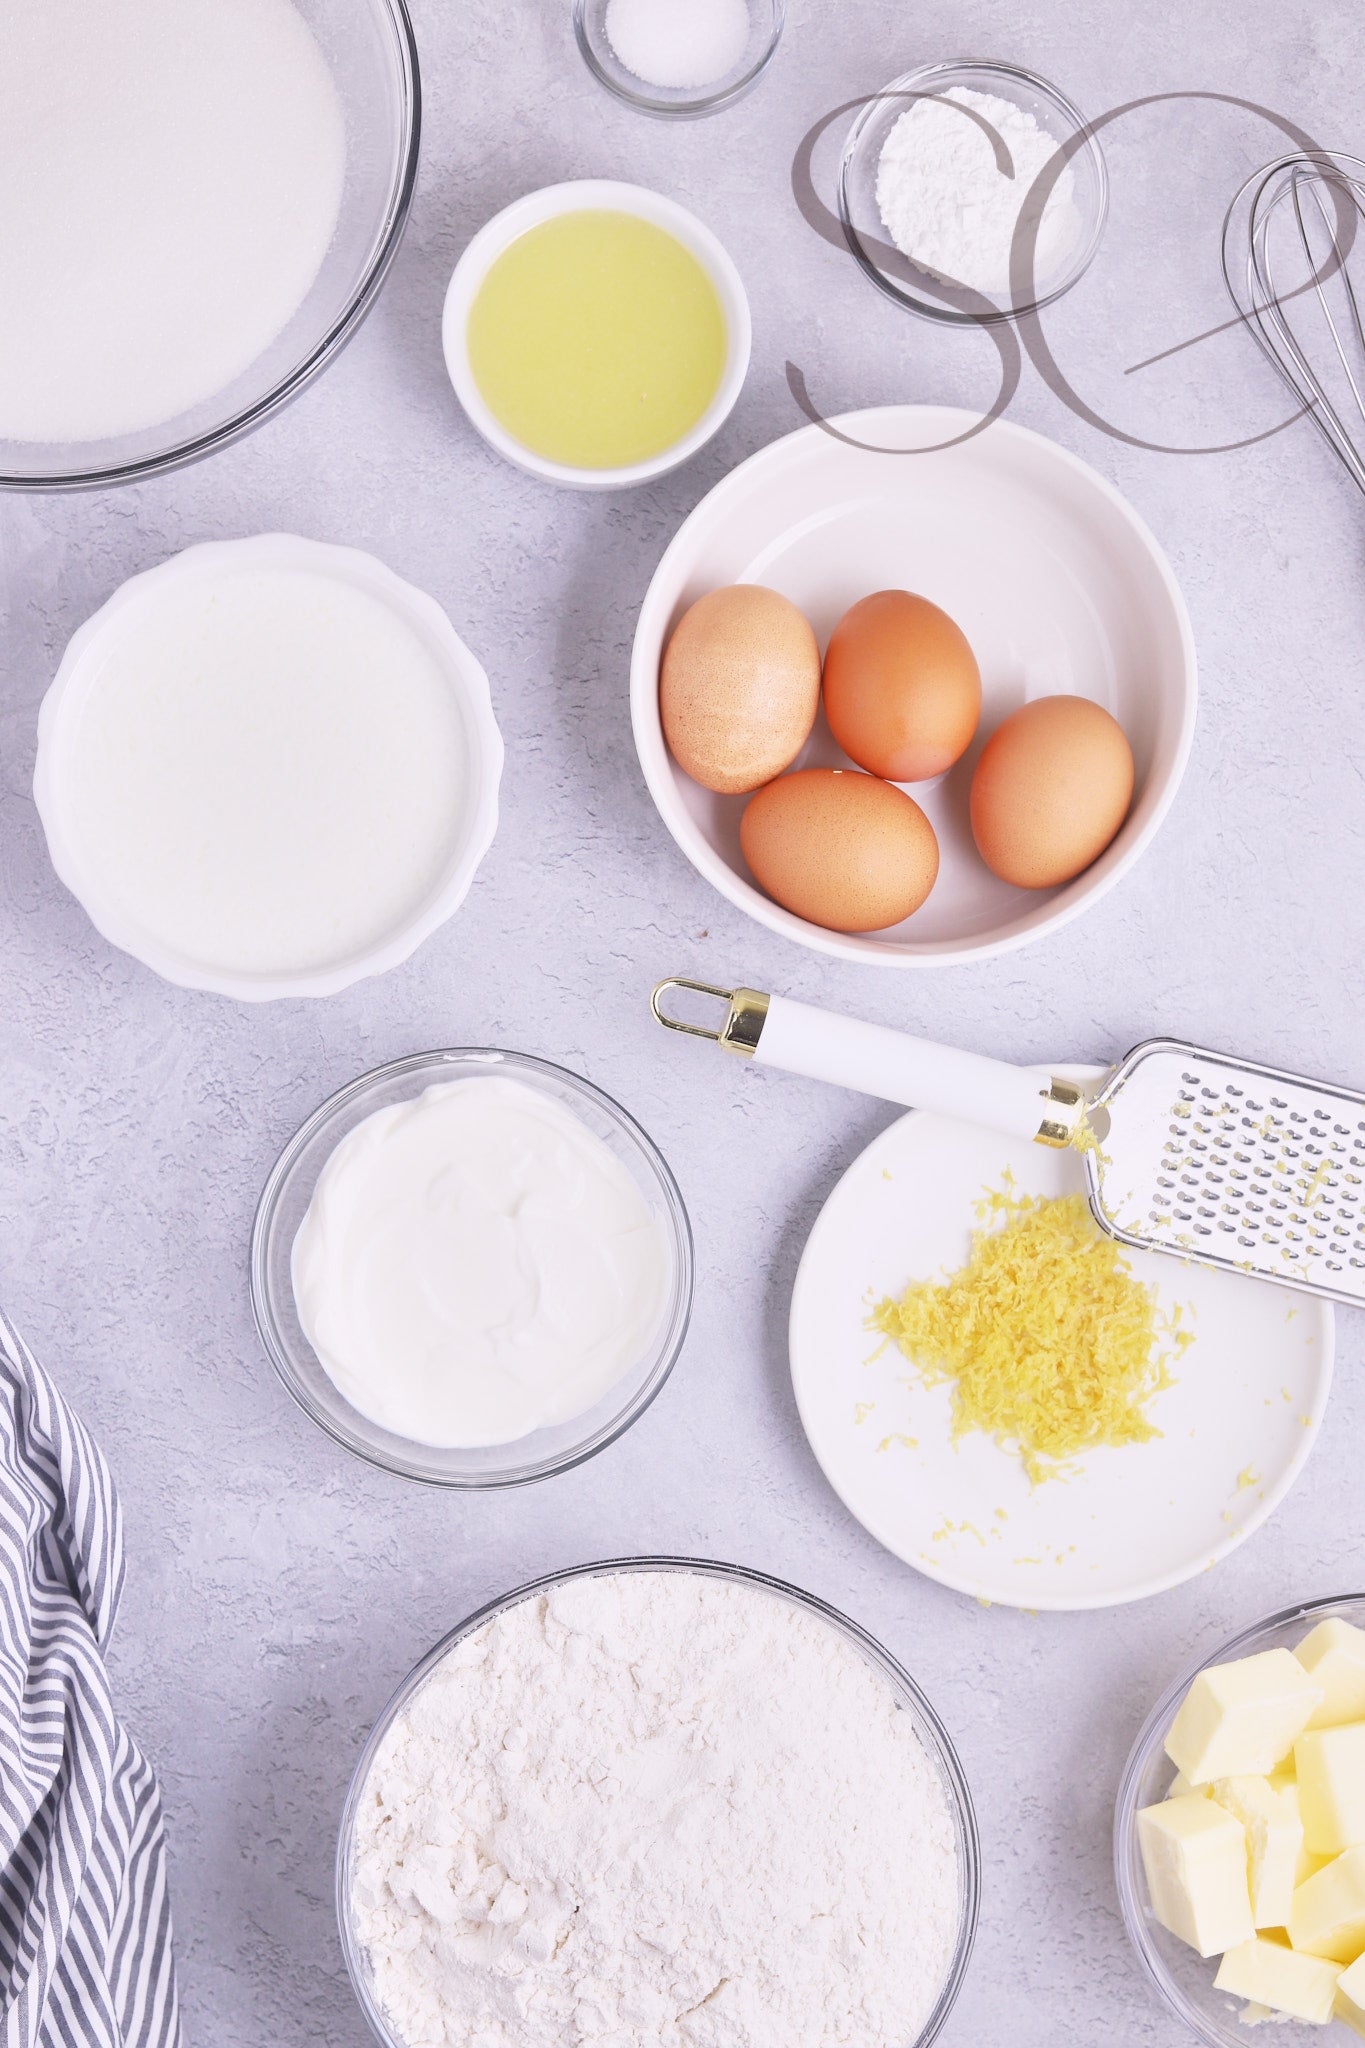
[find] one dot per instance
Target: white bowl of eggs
(911, 689)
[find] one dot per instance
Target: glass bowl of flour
(658, 1799)
(972, 192)
(472, 1268)
(198, 205)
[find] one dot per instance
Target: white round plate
(1236, 1427)
(1056, 582)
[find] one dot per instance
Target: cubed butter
(1274, 1834)
(1181, 1788)
(1329, 1764)
(1350, 2004)
(1327, 1917)
(1333, 1655)
(1241, 1719)
(1306, 1864)
(1195, 1856)
(1301, 1987)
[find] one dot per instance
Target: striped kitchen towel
(85, 1921)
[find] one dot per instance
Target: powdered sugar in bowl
(953, 201)
(657, 1799)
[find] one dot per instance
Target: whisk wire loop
(1287, 243)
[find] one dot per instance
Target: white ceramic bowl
(1057, 583)
(78, 675)
(574, 197)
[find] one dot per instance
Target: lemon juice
(597, 340)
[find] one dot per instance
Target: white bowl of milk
(268, 768)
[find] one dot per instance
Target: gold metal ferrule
(745, 1012)
(1066, 1104)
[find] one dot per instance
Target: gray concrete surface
(278, 1590)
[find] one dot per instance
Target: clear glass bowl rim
(287, 388)
(678, 109)
(1150, 1736)
(929, 1727)
(946, 72)
(679, 1224)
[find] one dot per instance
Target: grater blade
(1234, 1165)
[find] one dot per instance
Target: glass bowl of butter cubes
(1239, 1835)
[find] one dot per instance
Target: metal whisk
(1288, 244)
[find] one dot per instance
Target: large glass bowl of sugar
(198, 205)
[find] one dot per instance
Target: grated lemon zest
(1052, 1345)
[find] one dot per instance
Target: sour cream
(476, 1264)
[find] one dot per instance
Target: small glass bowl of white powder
(658, 1800)
(472, 1268)
(954, 201)
(678, 61)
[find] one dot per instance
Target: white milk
(268, 771)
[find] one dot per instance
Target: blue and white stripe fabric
(85, 1921)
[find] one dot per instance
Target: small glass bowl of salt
(678, 61)
(973, 192)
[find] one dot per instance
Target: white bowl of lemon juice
(596, 333)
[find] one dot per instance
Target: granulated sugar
(678, 47)
(946, 203)
(655, 1807)
(170, 177)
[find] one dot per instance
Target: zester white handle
(876, 1061)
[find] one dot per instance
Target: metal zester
(1185, 1151)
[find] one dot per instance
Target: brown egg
(1051, 789)
(902, 688)
(840, 849)
(739, 687)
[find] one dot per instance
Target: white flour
(170, 176)
(947, 205)
(655, 1808)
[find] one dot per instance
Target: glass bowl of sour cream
(472, 1268)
